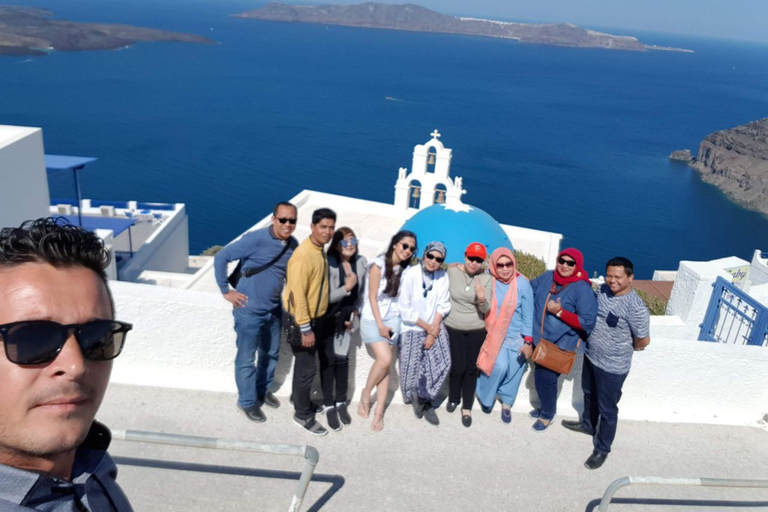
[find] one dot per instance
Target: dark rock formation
(736, 160)
(683, 155)
(415, 18)
(29, 31)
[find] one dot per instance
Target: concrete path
(412, 465)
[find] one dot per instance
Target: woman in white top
(380, 320)
(425, 356)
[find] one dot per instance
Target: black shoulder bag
(290, 327)
(236, 274)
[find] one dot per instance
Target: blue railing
(72, 202)
(734, 317)
(156, 206)
(117, 204)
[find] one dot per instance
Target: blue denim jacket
(577, 298)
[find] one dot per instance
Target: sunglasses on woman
(475, 259)
(283, 220)
(407, 247)
(40, 341)
(438, 259)
(352, 242)
(564, 261)
(505, 265)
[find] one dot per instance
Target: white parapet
(185, 339)
(23, 178)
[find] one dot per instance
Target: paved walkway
(412, 465)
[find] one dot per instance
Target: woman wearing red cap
(567, 307)
(470, 288)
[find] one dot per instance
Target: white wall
(185, 339)
(167, 250)
(23, 179)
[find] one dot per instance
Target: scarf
(497, 322)
(579, 274)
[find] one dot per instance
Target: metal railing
(655, 480)
(310, 453)
(734, 317)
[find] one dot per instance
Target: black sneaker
(431, 416)
(451, 406)
(311, 426)
(341, 408)
(418, 405)
(270, 400)
(253, 413)
(333, 418)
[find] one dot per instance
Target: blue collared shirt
(93, 487)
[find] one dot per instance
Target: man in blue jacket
(264, 256)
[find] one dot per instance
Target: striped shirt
(620, 319)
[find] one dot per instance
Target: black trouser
(602, 392)
(465, 347)
(334, 369)
(304, 370)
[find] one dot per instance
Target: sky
(723, 19)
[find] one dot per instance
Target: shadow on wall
(577, 395)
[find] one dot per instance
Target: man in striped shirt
(622, 327)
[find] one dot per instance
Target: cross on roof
(435, 134)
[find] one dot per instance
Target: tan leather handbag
(549, 355)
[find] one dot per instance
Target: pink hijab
(496, 324)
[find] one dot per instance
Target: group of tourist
(59, 338)
(478, 328)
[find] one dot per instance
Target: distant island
(32, 31)
(736, 161)
(415, 18)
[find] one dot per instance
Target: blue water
(567, 140)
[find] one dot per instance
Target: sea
(569, 140)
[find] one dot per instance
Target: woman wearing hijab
(564, 311)
(470, 301)
(425, 357)
(508, 345)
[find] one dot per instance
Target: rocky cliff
(30, 31)
(736, 160)
(415, 18)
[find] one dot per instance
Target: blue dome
(457, 228)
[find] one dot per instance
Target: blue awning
(58, 163)
(116, 224)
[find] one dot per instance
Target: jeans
(334, 368)
(465, 347)
(546, 387)
(255, 333)
(602, 392)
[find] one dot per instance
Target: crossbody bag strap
(253, 271)
(320, 294)
(543, 314)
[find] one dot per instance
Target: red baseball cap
(476, 249)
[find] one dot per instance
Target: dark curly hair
(55, 242)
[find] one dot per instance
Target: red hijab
(579, 274)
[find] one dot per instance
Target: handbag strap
(543, 314)
(320, 293)
(253, 271)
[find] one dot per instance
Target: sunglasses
(283, 220)
(407, 247)
(438, 259)
(505, 265)
(352, 242)
(40, 341)
(475, 259)
(563, 261)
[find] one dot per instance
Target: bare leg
(382, 352)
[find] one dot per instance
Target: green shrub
(212, 250)
(529, 265)
(656, 305)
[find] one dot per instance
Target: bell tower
(429, 181)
